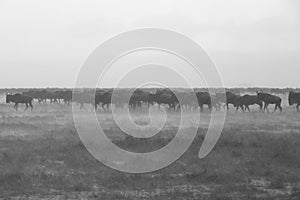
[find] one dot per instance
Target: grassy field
(41, 157)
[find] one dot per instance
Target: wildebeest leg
(276, 106)
(266, 107)
(201, 107)
(240, 107)
(81, 106)
(298, 107)
(170, 106)
(247, 107)
(244, 108)
(178, 107)
(31, 105)
(174, 106)
(260, 107)
(280, 108)
(16, 106)
(103, 106)
(26, 104)
(236, 108)
(210, 107)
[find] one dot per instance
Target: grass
(49, 161)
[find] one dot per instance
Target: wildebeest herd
(141, 97)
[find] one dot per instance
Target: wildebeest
(166, 96)
(53, 96)
(120, 98)
(218, 99)
(104, 98)
(83, 98)
(151, 99)
(294, 98)
(139, 97)
(187, 100)
(269, 99)
(40, 95)
(66, 96)
(232, 98)
(247, 100)
(19, 98)
(204, 99)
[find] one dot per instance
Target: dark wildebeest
(232, 98)
(187, 100)
(269, 99)
(120, 98)
(104, 98)
(19, 98)
(247, 100)
(166, 96)
(40, 95)
(218, 99)
(151, 99)
(204, 99)
(294, 98)
(43, 95)
(31, 93)
(138, 97)
(66, 96)
(83, 98)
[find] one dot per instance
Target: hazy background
(253, 43)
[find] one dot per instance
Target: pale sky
(252, 42)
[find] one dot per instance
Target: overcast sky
(253, 42)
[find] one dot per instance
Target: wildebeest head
(294, 97)
(9, 98)
(260, 94)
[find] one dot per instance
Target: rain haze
(252, 43)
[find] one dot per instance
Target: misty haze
(171, 99)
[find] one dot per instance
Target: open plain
(42, 157)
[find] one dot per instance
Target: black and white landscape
(253, 48)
